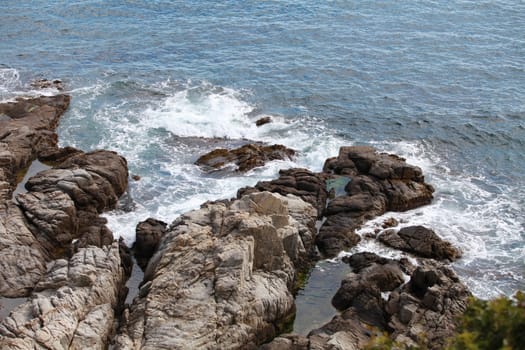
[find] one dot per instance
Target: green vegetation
(492, 325)
(497, 324)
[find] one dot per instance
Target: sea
(441, 83)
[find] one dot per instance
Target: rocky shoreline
(222, 276)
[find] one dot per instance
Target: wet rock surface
(244, 158)
(228, 271)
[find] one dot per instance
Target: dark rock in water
(377, 183)
(45, 84)
(303, 183)
(263, 120)
(337, 234)
(426, 308)
(148, 235)
(390, 222)
(362, 288)
(421, 241)
(245, 158)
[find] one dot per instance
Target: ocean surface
(441, 83)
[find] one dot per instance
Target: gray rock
(73, 305)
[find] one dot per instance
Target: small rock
(263, 120)
(245, 158)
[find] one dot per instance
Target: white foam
(203, 112)
(472, 213)
(9, 79)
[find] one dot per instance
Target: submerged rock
(245, 158)
(223, 276)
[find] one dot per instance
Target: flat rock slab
(420, 241)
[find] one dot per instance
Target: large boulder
(147, 238)
(245, 158)
(72, 306)
(223, 276)
(420, 241)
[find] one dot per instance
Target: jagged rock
(58, 155)
(424, 310)
(63, 203)
(302, 183)
(25, 133)
(427, 308)
(72, 307)
(421, 241)
(227, 270)
(361, 289)
(377, 183)
(22, 259)
(147, 238)
(245, 158)
(384, 174)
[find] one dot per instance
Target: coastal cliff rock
(223, 276)
(61, 204)
(245, 158)
(374, 183)
(72, 306)
(26, 130)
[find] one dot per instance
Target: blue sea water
(441, 83)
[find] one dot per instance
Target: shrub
(492, 325)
